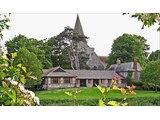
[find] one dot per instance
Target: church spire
(78, 27)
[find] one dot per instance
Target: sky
(101, 28)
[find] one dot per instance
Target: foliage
(129, 78)
(104, 93)
(73, 94)
(151, 73)
(12, 80)
(59, 55)
(65, 48)
(137, 83)
(154, 55)
(31, 62)
(136, 101)
(148, 19)
(127, 47)
(4, 24)
(38, 47)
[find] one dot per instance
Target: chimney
(135, 69)
(118, 62)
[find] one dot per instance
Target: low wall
(55, 86)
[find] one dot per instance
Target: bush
(144, 101)
(68, 102)
(138, 101)
(138, 84)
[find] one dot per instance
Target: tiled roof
(124, 67)
(92, 74)
(79, 74)
(53, 73)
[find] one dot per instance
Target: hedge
(139, 101)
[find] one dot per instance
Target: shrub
(138, 101)
(12, 80)
(138, 84)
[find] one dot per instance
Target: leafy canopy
(148, 19)
(154, 55)
(38, 47)
(127, 47)
(32, 64)
(151, 73)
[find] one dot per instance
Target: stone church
(94, 61)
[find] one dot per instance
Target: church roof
(78, 26)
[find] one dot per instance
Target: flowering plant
(12, 80)
(73, 94)
(113, 86)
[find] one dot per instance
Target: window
(89, 81)
(54, 80)
(67, 80)
(109, 82)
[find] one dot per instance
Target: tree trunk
(70, 57)
(77, 60)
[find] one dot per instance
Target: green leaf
(113, 103)
(158, 29)
(1, 89)
(2, 74)
(108, 89)
(23, 81)
(24, 69)
(101, 103)
(12, 95)
(4, 84)
(13, 55)
(102, 90)
(32, 77)
(124, 104)
(68, 93)
(19, 65)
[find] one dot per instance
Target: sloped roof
(92, 74)
(78, 26)
(79, 74)
(94, 61)
(124, 67)
(56, 72)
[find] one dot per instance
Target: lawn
(58, 97)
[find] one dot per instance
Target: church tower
(94, 61)
(78, 26)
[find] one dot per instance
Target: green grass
(90, 96)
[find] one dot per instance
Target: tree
(38, 47)
(32, 64)
(154, 55)
(65, 49)
(59, 52)
(4, 24)
(148, 19)
(12, 78)
(127, 47)
(145, 46)
(151, 73)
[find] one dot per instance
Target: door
(95, 82)
(83, 83)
